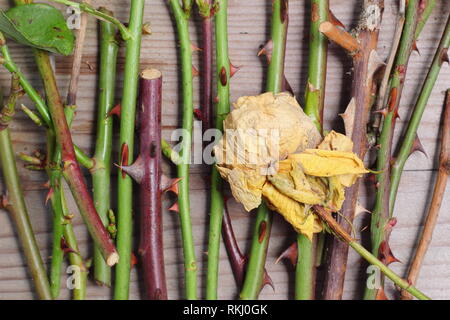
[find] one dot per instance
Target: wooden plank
(246, 33)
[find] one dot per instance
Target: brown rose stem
(436, 201)
(363, 52)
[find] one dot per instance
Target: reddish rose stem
(238, 260)
(151, 242)
(207, 61)
(71, 169)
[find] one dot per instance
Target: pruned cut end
(112, 259)
(150, 74)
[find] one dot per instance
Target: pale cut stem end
(340, 37)
(150, 74)
(112, 259)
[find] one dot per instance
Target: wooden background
(248, 29)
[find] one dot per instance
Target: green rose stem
(14, 202)
(190, 264)
(365, 61)
(436, 201)
(254, 278)
(127, 125)
(222, 109)
(71, 169)
(101, 174)
(407, 145)
(314, 104)
(381, 218)
(342, 235)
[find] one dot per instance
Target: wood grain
(248, 29)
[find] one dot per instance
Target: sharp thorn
(136, 170)
(381, 295)
(195, 48)
(195, 72)
(415, 48)
(291, 253)
(115, 111)
(175, 207)
(417, 146)
(335, 21)
(124, 159)
(234, 69)
(49, 195)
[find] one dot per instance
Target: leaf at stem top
(38, 25)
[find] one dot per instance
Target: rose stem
(222, 109)
(314, 104)
(99, 14)
(41, 106)
(190, 265)
(342, 235)
(62, 227)
(71, 169)
(275, 77)
(410, 135)
(380, 215)
(363, 53)
(101, 175)
(206, 12)
(127, 125)
(55, 177)
(436, 201)
(149, 163)
(14, 202)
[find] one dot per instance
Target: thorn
(262, 231)
(417, 146)
(386, 255)
(360, 209)
(175, 207)
(234, 69)
(267, 280)
(223, 76)
(291, 253)
(216, 99)
(415, 48)
(173, 186)
(381, 295)
(392, 99)
(195, 48)
(444, 56)
(195, 72)
(115, 111)
(136, 170)
(65, 247)
(124, 159)
(332, 18)
(266, 50)
(383, 112)
(49, 195)
(133, 260)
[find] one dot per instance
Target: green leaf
(38, 25)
